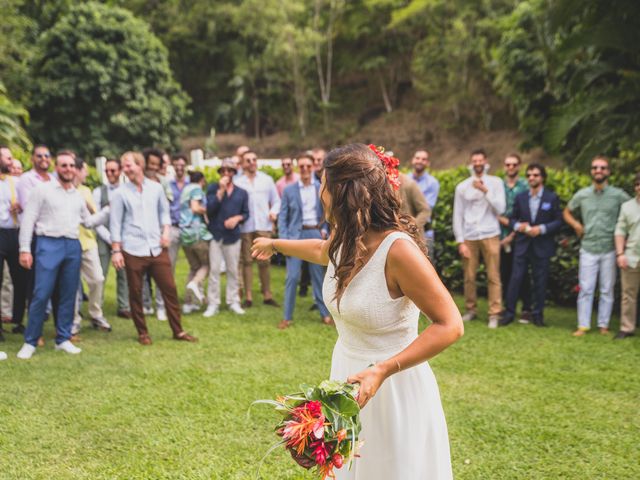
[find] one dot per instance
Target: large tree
(102, 84)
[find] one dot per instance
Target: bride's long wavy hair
(362, 199)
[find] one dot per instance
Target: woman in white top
(378, 280)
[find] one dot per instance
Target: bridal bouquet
(320, 425)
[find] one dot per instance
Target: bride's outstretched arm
(410, 273)
(311, 250)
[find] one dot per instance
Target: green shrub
(563, 275)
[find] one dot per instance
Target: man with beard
(54, 213)
(478, 202)
(289, 176)
(535, 219)
(430, 188)
(514, 185)
(598, 205)
(102, 196)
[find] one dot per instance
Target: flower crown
(390, 165)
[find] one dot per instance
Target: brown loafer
(144, 339)
(284, 324)
(271, 302)
(185, 337)
(124, 314)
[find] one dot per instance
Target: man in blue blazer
(536, 218)
(301, 217)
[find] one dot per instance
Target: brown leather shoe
(284, 324)
(185, 337)
(144, 339)
(271, 302)
(75, 338)
(124, 314)
(604, 331)
(41, 342)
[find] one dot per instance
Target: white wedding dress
(403, 426)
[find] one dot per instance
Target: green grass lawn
(521, 402)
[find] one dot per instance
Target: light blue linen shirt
(137, 218)
(429, 186)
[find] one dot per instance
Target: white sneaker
(210, 311)
(148, 310)
(26, 352)
(195, 291)
(162, 315)
(493, 321)
(189, 307)
(68, 347)
(3, 356)
(236, 308)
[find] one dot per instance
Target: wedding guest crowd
(56, 234)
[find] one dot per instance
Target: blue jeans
(293, 278)
(56, 260)
(592, 266)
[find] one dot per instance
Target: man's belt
(311, 227)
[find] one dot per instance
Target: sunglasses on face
(225, 170)
(599, 167)
(43, 155)
(111, 170)
(286, 165)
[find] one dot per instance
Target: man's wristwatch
(113, 252)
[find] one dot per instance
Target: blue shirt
(230, 206)
(174, 205)
(429, 186)
(534, 206)
(137, 218)
(193, 227)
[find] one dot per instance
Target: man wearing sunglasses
(535, 219)
(102, 196)
(598, 206)
(41, 161)
(54, 213)
(627, 240)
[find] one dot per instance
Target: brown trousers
(630, 278)
(246, 262)
(490, 250)
(159, 268)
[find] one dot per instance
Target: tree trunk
(385, 95)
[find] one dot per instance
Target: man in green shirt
(598, 206)
(627, 240)
(514, 184)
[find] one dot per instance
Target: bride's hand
(370, 381)
(262, 248)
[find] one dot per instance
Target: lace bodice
(369, 319)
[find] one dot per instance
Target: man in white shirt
(54, 213)
(478, 202)
(264, 205)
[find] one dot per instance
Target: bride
(377, 282)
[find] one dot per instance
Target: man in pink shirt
(41, 160)
(289, 176)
